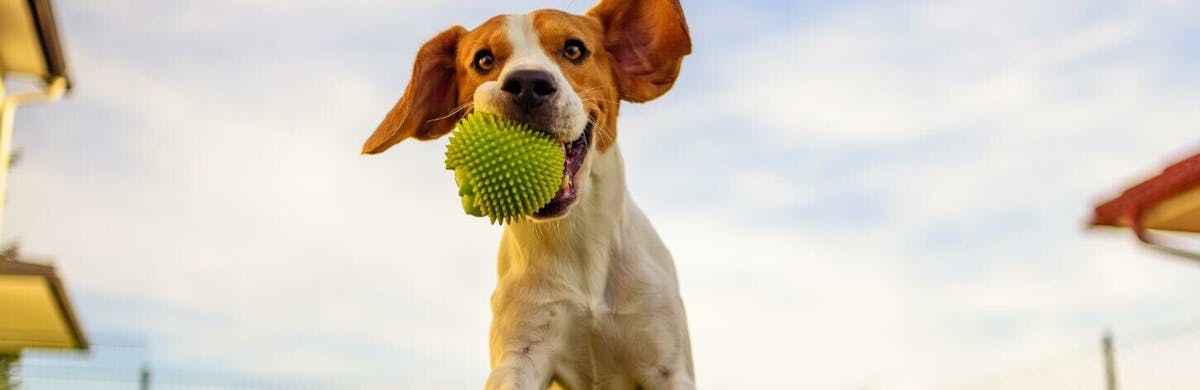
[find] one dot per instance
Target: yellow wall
(30, 315)
(20, 48)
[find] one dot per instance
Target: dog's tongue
(574, 153)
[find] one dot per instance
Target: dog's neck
(591, 231)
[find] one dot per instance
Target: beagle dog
(587, 295)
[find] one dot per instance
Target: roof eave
(12, 266)
(47, 30)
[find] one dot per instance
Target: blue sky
(859, 194)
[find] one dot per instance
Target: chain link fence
(1166, 359)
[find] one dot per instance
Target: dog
(587, 295)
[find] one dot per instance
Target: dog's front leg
(517, 373)
(524, 335)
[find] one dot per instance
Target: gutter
(1131, 208)
(54, 89)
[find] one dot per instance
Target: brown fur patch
(636, 50)
(647, 41)
(425, 98)
(591, 78)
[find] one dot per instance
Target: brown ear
(646, 41)
(424, 111)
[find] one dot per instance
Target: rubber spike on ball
(505, 170)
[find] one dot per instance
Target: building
(34, 309)
(1169, 201)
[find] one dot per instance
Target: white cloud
(216, 199)
(883, 73)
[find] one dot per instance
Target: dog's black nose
(529, 88)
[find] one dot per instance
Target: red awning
(1169, 201)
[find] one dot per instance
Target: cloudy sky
(860, 194)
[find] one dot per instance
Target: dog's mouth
(576, 152)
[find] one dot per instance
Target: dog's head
(556, 71)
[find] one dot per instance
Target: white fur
(590, 300)
(528, 54)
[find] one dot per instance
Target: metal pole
(6, 127)
(1110, 363)
(6, 112)
(144, 383)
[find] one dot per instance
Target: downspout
(53, 91)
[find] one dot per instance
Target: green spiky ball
(505, 170)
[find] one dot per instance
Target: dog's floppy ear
(431, 94)
(646, 41)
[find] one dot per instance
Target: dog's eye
(484, 60)
(574, 50)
